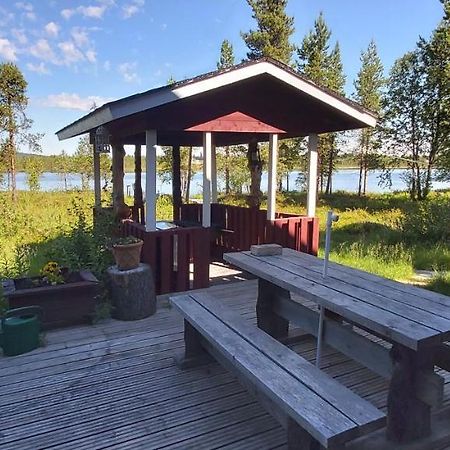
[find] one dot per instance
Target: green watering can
(20, 330)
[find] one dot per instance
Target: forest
(394, 235)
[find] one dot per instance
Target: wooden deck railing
(173, 255)
(236, 228)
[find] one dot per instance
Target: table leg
(409, 417)
(267, 319)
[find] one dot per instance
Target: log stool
(132, 292)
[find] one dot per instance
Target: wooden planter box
(71, 303)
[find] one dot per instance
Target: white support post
(97, 187)
(272, 186)
(206, 207)
(150, 180)
(311, 189)
(213, 175)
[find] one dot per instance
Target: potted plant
(127, 252)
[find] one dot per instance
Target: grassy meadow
(386, 234)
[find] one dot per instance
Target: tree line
(412, 104)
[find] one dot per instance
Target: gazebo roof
(242, 103)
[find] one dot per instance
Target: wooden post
(118, 154)
(138, 200)
(176, 182)
(311, 189)
(213, 175)
(206, 207)
(267, 320)
(97, 187)
(150, 181)
(272, 185)
(409, 418)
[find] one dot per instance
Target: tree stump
(132, 292)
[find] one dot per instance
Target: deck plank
(116, 384)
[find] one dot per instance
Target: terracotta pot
(127, 256)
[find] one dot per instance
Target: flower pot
(127, 256)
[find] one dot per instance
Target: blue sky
(75, 53)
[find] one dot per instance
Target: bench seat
(307, 402)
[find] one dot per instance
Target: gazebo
(255, 101)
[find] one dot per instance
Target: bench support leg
(194, 353)
(409, 418)
(299, 439)
(267, 320)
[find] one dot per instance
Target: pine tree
(275, 27)
(271, 38)
(368, 85)
(417, 108)
(226, 60)
(83, 162)
(435, 54)
(313, 54)
(404, 114)
(226, 55)
(325, 68)
(13, 122)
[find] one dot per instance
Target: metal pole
(331, 217)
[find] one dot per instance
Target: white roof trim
(153, 99)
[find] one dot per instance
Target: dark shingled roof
(221, 71)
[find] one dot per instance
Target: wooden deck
(116, 385)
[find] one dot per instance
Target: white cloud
(92, 11)
(25, 6)
(30, 16)
(52, 29)
(91, 56)
(74, 101)
(68, 13)
(42, 50)
(95, 12)
(132, 8)
(80, 36)
(5, 17)
(71, 53)
(19, 35)
(128, 72)
(107, 66)
(7, 50)
(38, 68)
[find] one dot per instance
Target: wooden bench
(310, 405)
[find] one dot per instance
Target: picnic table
(411, 324)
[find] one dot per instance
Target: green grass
(385, 234)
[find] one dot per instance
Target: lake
(343, 180)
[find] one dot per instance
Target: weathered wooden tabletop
(404, 314)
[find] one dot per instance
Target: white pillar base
(150, 180)
(272, 185)
(311, 189)
(207, 152)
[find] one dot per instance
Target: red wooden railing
(236, 228)
(174, 255)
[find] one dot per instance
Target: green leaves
(226, 55)
(274, 28)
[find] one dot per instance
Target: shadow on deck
(116, 385)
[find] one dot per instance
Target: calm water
(344, 180)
